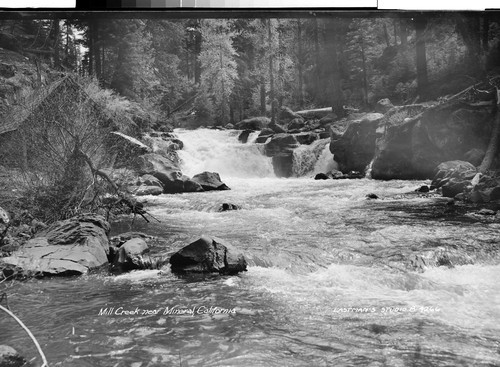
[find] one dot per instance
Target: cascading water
(330, 279)
(220, 151)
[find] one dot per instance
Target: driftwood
(129, 201)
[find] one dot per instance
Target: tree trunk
(299, 64)
(422, 80)
(197, 51)
(386, 36)
(395, 26)
(90, 46)
(337, 98)
(281, 68)
(492, 149)
(271, 73)
(365, 74)
(403, 33)
(97, 53)
(57, 36)
(262, 96)
(317, 61)
(485, 33)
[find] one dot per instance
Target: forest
(226, 70)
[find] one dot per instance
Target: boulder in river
(281, 143)
(69, 247)
(296, 124)
(210, 181)
(486, 189)
(163, 169)
(306, 138)
(225, 207)
(286, 115)
(243, 137)
(321, 176)
(129, 255)
(148, 185)
(208, 255)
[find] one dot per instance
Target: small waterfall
(220, 151)
(312, 159)
(368, 169)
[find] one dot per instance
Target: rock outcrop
(162, 168)
(69, 247)
(9, 357)
(415, 139)
(355, 148)
(208, 255)
(210, 181)
(280, 148)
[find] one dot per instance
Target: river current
(328, 282)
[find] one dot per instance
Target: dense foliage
(224, 70)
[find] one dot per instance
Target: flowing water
(327, 284)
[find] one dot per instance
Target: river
(328, 282)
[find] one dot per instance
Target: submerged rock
(210, 181)
(69, 247)
(371, 196)
(208, 255)
(228, 206)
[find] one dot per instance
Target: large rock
(148, 185)
(70, 247)
(129, 255)
(354, 150)
(164, 169)
(208, 255)
(287, 115)
(254, 123)
(210, 181)
(486, 189)
(281, 143)
(243, 137)
(306, 138)
(411, 144)
(124, 148)
(296, 124)
(9, 357)
(277, 128)
(453, 177)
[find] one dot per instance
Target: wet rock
(306, 138)
(423, 188)
(228, 207)
(485, 211)
(355, 149)
(162, 168)
(148, 185)
(229, 126)
(254, 123)
(328, 119)
(464, 171)
(336, 175)
(70, 247)
(9, 357)
(243, 137)
(371, 196)
(321, 176)
(277, 128)
(191, 186)
(129, 255)
(210, 181)
(414, 139)
(354, 175)
(208, 255)
(296, 123)
(264, 135)
(486, 190)
(383, 105)
(281, 143)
